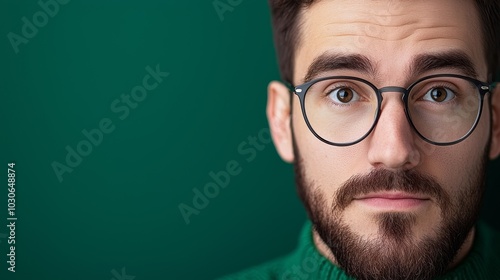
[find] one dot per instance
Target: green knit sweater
(482, 262)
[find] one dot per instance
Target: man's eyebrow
(422, 63)
(334, 61)
(457, 60)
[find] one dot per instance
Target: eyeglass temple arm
(291, 89)
(493, 86)
(290, 86)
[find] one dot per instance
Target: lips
(393, 195)
(393, 200)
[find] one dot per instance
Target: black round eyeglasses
(443, 109)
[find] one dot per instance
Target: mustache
(378, 180)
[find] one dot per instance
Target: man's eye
(439, 94)
(343, 95)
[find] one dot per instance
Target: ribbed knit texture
(482, 262)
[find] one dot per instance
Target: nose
(392, 142)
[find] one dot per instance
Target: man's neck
(465, 249)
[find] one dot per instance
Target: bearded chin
(395, 253)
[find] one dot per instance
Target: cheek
(326, 166)
(456, 166)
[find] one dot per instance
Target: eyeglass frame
(483, 88)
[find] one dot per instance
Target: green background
(118, 208)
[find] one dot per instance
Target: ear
(279, 117)
(495, 132)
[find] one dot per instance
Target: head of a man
(391, 122)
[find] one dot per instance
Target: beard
(395, 253)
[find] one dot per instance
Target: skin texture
(390, 34)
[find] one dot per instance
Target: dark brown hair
(286, 29)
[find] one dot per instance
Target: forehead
(389, 33)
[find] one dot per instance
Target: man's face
(354, 194)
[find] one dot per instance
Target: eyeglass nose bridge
(404, 98)
(403, 90)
